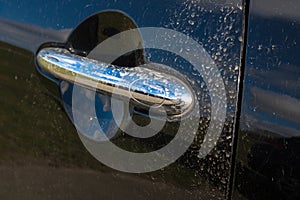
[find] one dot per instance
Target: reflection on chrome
(146, 86)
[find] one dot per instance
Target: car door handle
(146, 86)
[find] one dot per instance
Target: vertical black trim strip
(240, 98)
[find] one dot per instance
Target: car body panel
(267, 162)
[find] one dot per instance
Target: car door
(190, 51)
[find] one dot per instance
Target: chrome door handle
(145, 86)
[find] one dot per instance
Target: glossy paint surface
(268, 161)
(41, 155)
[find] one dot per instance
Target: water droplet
(191, 22)
(239, 6)
(240, 38)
